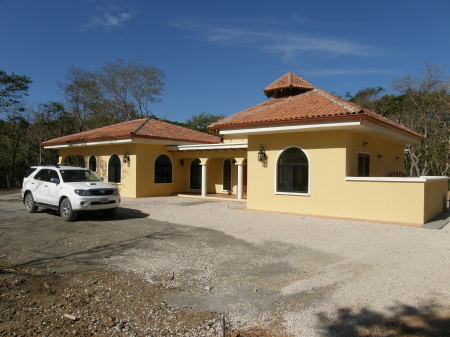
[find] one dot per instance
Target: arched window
(196, 175)
(114, 169)
(226, 175)
(163, 169)
(92, 163)
(293, 171)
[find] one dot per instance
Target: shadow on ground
(122, 213)
(428, 320)
(94, 254)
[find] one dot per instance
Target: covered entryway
(214, 169)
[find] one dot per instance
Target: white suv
(69, 190)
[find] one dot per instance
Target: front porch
(213, 196)
(215, 171)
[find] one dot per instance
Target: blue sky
(219, 55)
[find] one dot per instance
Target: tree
(426, 109)
(201, 121)
(128, 89)
(423, 105)
(12, 88)
(118, 91)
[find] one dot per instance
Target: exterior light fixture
(126, 158)
(262, 157)
(397, 158)
(181, 162)
(379, 156)
(364, 143)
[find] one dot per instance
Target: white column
(240, 180)
(204, 187)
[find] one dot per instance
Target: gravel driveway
(300, 269)
(305, 276)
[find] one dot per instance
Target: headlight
(83, 193)
(116, 191)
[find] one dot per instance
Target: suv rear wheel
(65, 208)
(30, 205)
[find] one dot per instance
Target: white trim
(352, 124)
(287, 128)
(293, 193)
(106, 142)
(309, 173)
(220, 146)
(420, 179)
(390, 132)
(154, 169)
(121, 141)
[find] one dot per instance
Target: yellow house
(302, 151)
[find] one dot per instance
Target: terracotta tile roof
(138, 128)
(309, 106)
(288, 81)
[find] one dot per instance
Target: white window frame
(154, 169)
(107, 170)
(308, 194)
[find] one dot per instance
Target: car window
(53, 174)
(29, 171)
(71, 176)
(43, 175)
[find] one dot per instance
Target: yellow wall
(147, 154)
(127, 187)
(234, 139)
(333, 156)
(436, 194)
(379, 167)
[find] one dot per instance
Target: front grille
(102, 192)
(103, 203)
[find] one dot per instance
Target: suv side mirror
(54, 180)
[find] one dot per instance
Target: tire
(110, 212)
(30, 205)
(66, 211)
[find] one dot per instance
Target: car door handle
(46, 185)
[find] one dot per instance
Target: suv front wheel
(30, 205)
(67, 213)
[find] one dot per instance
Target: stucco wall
(436, 194)
(333, 156)
(379, 167)
(127, 187)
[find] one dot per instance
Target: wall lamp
(397, 158)
(379, 156)
(364, 143)
(126, 158)
(181, 162)
(262, 153)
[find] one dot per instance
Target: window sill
(155, 183)
(293, 193)
(109, 182)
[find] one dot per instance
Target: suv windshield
(71, 176)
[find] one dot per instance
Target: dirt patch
(100, 302)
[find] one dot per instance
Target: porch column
(240, 177)
(240, 180)
(204, 187)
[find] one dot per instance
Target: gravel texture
(324, 265)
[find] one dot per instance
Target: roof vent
(287, 85)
